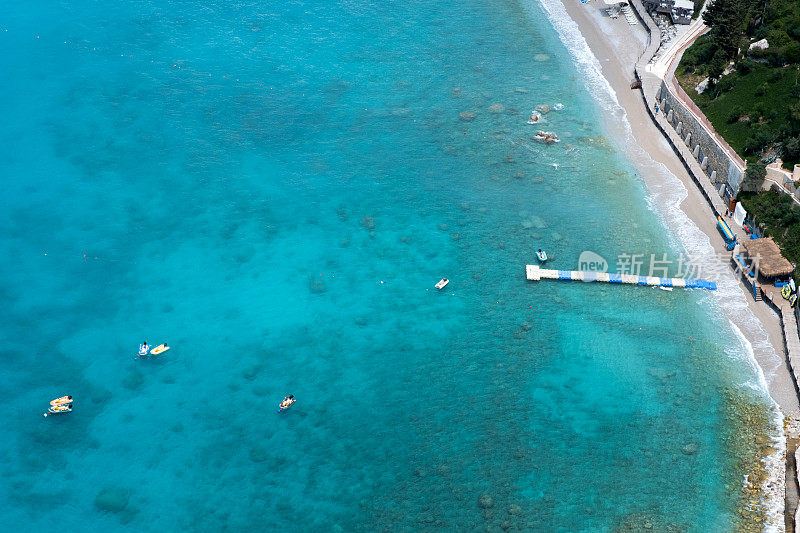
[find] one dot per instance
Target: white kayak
(442, 283)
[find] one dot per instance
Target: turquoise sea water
(273, 189)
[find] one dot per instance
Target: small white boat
(286, 403)
(59, 409)
(442, 283)
(161, 348)
(541, 255)
(665, 288)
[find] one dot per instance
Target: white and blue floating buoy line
(534, 273)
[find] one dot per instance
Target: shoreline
(617, 47)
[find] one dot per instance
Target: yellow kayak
(55, 409)
(161, 348)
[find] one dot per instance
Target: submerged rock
(541, 57)
(112, 500)
(134, 380)
(485, 501)
(467, 116)
(690, 449)
(496, 108)
(258, 455)
(317, 286)
(368, 223)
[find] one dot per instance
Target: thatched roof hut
(767, 257)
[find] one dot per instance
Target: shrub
(745, 66)
(700, 53)
(724, 85)
(735, 114)
(717, 64)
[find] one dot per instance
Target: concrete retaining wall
(714, 159)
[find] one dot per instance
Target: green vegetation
(781, 218)
(754, 176)
(756, 108)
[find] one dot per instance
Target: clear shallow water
(273, 190)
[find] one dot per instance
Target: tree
(727, 20)
(717, 65)
(791, 148)
(754, 176)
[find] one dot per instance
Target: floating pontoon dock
(534, 273)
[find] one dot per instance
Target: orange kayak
(62, 400)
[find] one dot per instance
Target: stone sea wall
(721, 165)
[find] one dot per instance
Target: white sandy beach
(617, 46)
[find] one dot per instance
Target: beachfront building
(765, 258)
(679, 11)
(682, 11)
(760, 263)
